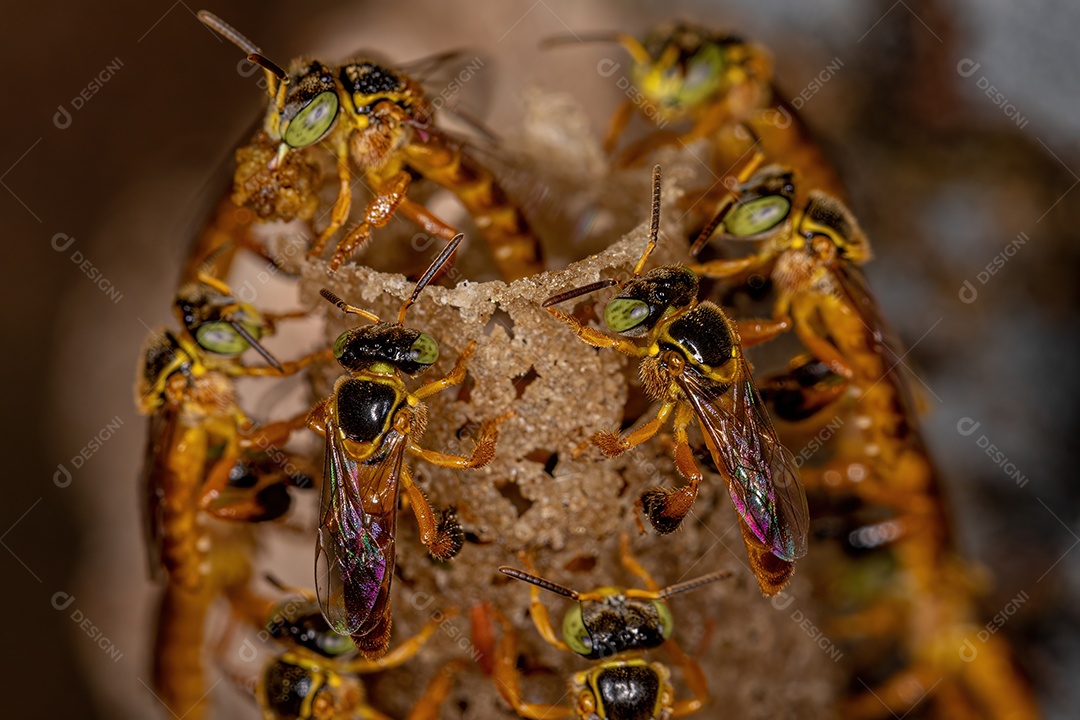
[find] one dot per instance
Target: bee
(693, 364)
(316, 675)
(370, 422)
(878, 477)
(722, 86)
(206, 458)
(379, 119)
(613, 627)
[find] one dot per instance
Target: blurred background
(954, 126)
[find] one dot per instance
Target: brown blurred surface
(939, 176)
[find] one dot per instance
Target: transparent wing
(354, 553)
(160, 444)
(856, 291)
(760, 472)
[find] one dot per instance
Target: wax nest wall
(548, 493)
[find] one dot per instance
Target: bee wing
(159, 446)
(354, 554)
(760, 472)
(854, 287)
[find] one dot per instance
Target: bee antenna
(275, 76)
(273, 361)
(430, 273)
(227, 31)
(539, 582)
(710, 227)
(693, 584)
(208, 262)
(347, 308)
(269, 66)
(557, 40)
(654, 226)
(577, 292)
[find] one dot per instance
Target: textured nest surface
(548, 493)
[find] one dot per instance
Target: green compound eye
(313, 121)
(703, 74)
(622, 314)
(339, 345)
(758, 215)
(221, 338)
(424, 350)
(574, 632)
(334, 645)
(667, 622)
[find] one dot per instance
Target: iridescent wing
(760, 472)
(160, 443)
(354, 554)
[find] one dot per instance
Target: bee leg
(693, 677)
(425, 220)
(755, 332)
(287, 368)
(265, 438)
(898, 695)
(597, 338)
(441, 535)
(726, 269)
(666, 509)
(427, 707)
(717, 116)
(389, 193)
(402, 653)
(617, 124)
(340, 212)
(454, 378)
(819, 347)
(538, 611)
(315, 420)
(482, 635)
(354, 239)
(630, 563)
(482, 454)
(637, 151)
(508, 680)
(611, 444)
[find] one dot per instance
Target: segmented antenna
(693, 584)
(276, 78)
(539, 582)
(347, 308)
(654, 226)
(430, 273)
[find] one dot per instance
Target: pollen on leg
(664, 516)
(449, 537)
(609, 443)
